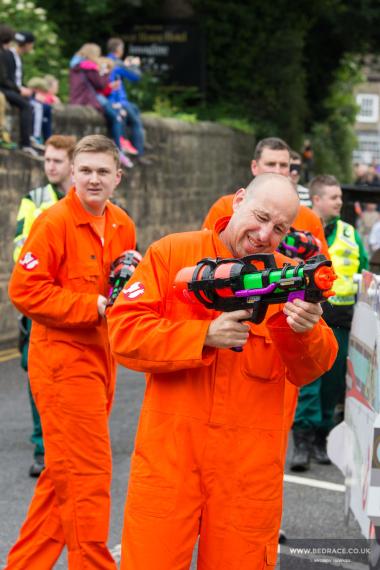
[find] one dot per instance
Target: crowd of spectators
(95, 80)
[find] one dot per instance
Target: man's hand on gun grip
(302, 316)
(228, 330)
(102, 304)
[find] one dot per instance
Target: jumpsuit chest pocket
(84, 277)
(260, 360)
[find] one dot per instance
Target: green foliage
(255, 60)
(26, 15)
(334, 139)
(238, 124)
(144, 92)
(163, 107)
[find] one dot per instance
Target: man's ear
(119, 174)
(238, 198)
(254, 167)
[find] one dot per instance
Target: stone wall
(191, 165)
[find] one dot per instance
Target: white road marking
(314, 483)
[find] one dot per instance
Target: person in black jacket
(17, 96)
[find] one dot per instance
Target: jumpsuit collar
(220, 247)
(82, 217)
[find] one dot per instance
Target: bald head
(263, 214)
(273, 182)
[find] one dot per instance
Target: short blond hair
(97, 143)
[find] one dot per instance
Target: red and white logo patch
(134, 291)
(29, 261)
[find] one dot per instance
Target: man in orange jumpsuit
(271, 155)
(208, 456)
(61, 283)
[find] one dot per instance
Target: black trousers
(26, 116)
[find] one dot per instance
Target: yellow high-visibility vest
(344, 254)
(31, 206)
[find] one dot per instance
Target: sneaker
(128, 147)
(125, 161)
(36, 144)
(31, 152)
(37, 466)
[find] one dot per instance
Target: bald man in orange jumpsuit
(273, 155)
(61, 282)
(208, 458)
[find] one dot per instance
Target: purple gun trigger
(296, 295)
(290, 247)
(250, 292)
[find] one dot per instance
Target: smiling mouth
(252, 241)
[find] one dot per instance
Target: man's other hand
(228, 330)
(102, 304)
(302, 316)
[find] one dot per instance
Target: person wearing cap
(41, 113)
(12, 88)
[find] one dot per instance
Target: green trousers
(317, 401)
(36, 436)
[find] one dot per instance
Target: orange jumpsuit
(208, 456)
(306, 220)
(62, 269)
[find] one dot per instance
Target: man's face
(95, 176)
(295, 170)
(329, 204)
(261, 219)
(57, 165)
(275, 161)
(26, 48)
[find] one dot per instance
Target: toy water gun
(122, 270)
(232, 284)
(300, 244)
